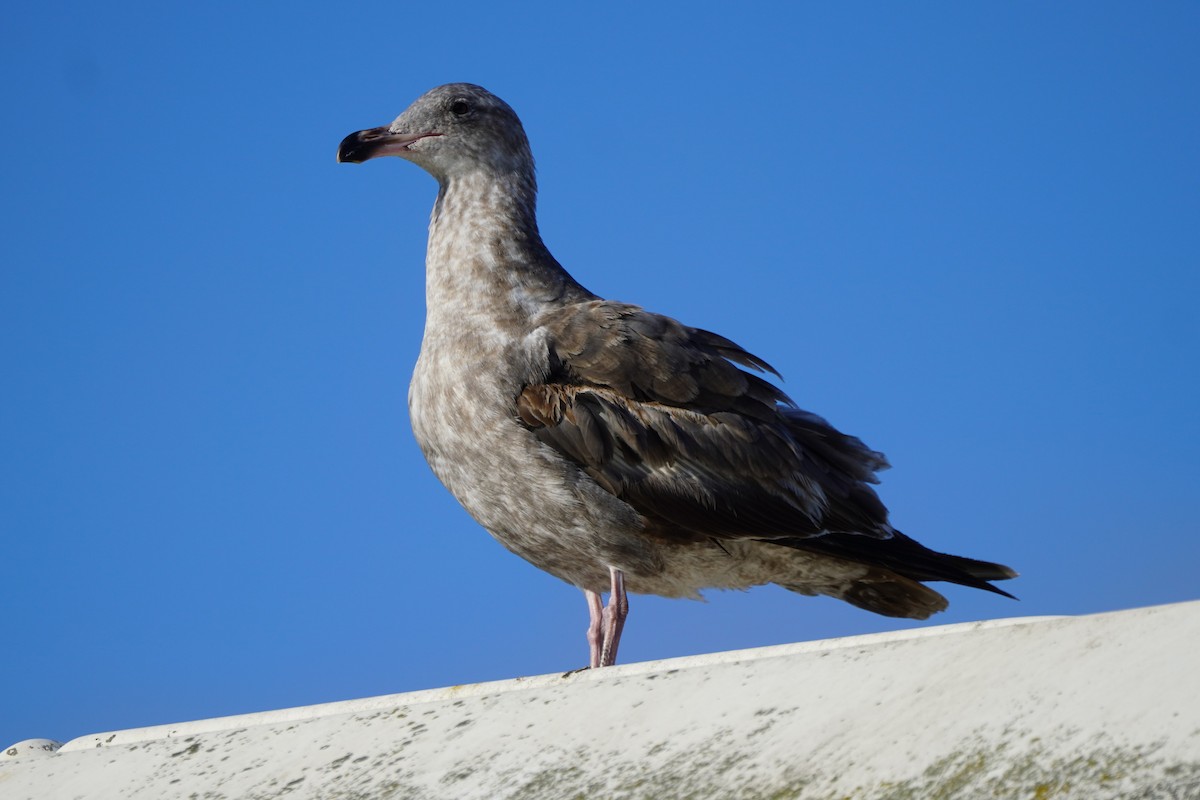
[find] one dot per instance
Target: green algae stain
(1104, 774)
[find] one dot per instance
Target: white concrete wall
(1104, 706)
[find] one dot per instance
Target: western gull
(618, 449)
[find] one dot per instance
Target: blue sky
(967, 233)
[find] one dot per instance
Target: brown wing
(658, 414)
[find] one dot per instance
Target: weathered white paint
(1103, 706)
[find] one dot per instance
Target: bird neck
(485, 254)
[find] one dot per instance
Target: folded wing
(660, 415)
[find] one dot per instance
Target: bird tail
(907, 558)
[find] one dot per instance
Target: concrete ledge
(1103, 706)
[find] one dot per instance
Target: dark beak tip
(351, 150)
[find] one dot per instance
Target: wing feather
(660, 416)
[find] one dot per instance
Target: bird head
(452, 130)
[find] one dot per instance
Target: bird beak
(374, 142)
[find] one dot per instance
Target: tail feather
(907, 557)
(880, 591)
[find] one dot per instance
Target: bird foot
(605, 622)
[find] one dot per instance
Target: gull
(618, 449)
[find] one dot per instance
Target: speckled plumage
(598, 440)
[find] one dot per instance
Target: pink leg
(595, 631)
(614, 617)
(605, 623)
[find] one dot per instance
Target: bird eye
(460, 107)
